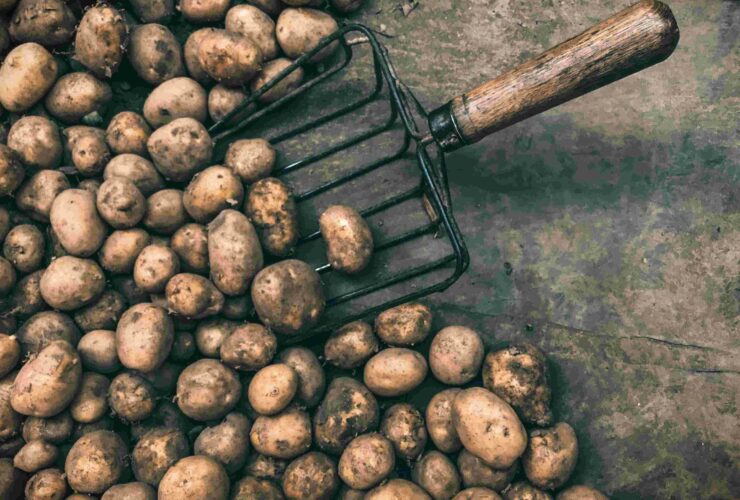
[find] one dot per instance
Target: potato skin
(75, 220)
(36, 141)
(227, 442)
(144, 337)
(128, 132)
(87, 149)
(403, 426)
(120, 203)
(394, 371)
(194, 477)
(351, 345)
(249, 347)
(120, 250)
(437, 475)
(180, 148)
(70, 283)
(101, 40)
(477, 493)
(212, 191)
(300, 30)
(271, 208)
(366, 461)
(10, 420)
(36, 195)
(55, 430)
(234, 252)
(103, 314)
(204, 11)
(524, 491)
(407, 324)
(312, 476)
(136, 168)
(26, 298)
(180, 97)
(251, 22)
(76, 95)
(90, 403)
(211, 333)
(312, 381)
(190, 243)
(250, 487)
(395, 489)
(488, 427)
(165, 212)
(95, 462)
(193, 296)
(97, 350)
(131, 397)
(287, 84)
(130, 491)
(157, 451)
(272, 388)
(222, 100)
(44, 327)
(207, 390)
(285, 435)
(11, 171)
(10, 353)
(47, 483)
(24, 248)
(28, 72)
(475, 472)
(229, 58)
(581, 492)
(551, 456)
(48, 22)
(155, 54)
(251, 159)
(456, 355)
(154, 266)
(190, 52)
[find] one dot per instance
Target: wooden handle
(639, 36)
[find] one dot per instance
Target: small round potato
(211, 191)
(346, 6)
(128, 132)
(395, 371)
(103, 314)
(46, 384)
(27, 73)
(120, 203)
(223, 100)
(190, 243)
(475, 472)
(264, 467)
(101, 40)
(249, 487)
(10, 353)
(144, 337)
(524, 491)
(366, 461)
(36, 455)
(47, 483)
(312, 381)
(70, 283)
(285, 435)
(165, 212)
(551, 456)
(44, 327)
(37, 142)
(288, 297)
(154, 267)
(11, 171)
(456, 355)
(437, 475)
(190, 52)
(55, 430)
(299, 31)
(157, 451)
(251, 159)
(396, 489)
(285, 86)
(477, 493)
(139, 170)
(95, 462)
(407, 324)
(211, 333)
(229, 58)
(249, 347)
(26, 298)
(48, 22)
(10, 420)
(90, 403)
(76, 95)
(234, 252)
(311, 476)
(87, 149)
(24, 248)
(403, 426)
(581, 492)
(251, 22)
(155, 54)
(271, 207)
(352, 345)
(97, 349)
(36, 195)
(180, 97)
(488, 427)
(75, 221)
(193, 296)
(207, 390)
(227, 442)
(272, 388)
(180, 148)
(131, 397)
(129, 491)
(204, 11)
(348, 409)
(119, 251)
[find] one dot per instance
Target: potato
(251, 159)
(264, 467)
(348, 409)
(299, 31)
(190, 243)
(11, 480)
(488, 427)
(272, 7)
(397, 489)
(394, 371)
(581, 492)
(311, 379)
(157, 451)
(95, 462)
(551, 456)
(285, 435)
(311, 476)
(24, 248)
(350, 346)
(55, 430)
(46, 384)
(475, 472)
(222, 100)
(10, 353)
(403, 426)
(477, 493)
(127, 133)
(227, 442)
(120, 250)
(144, 337)
(229, 58)
(76, 95)
(407, 324)
(285, 86)
(211, 333)
(70, 283)
(104, 424)
(130, 491)
(180, 97)
(36, 195)
(26, 298)
(5, 222)
(288, 297)
(131, 397)
(102, 314)
(37, 142)
(272, 389)
(271, 207)
(183, 347)
(75, 220)
(97, 350)
(90, 403)
(88, 150)
(165, 212)
(248, 488)
(346, 6)
(120, 203)
(127, 287)
(47, 22)
(154, 266)
(234, 252)
(193, 296)
(28, 72)
(180, 148)
(366, 461)
(139, 170)
(524, 491)
(214, 189)
(255, 24)
(207, 390)
(92, 185)
(155, 55)
(456, 355)
(10, 420)
(190, 52)
(347, 493)
(48, 484)
(101, 40)
(194, 477)
(11, 171)
(437, 475)
(7, 276)
(44, 327)
(204, 11)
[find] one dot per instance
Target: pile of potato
(145, 290)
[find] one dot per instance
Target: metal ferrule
(444, 128)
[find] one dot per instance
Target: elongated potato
(436, 473)
(211, 191)
(229, 58)
(144, 337)
(87, 149)
(366, 461)
(155, 54)
(456, 355)
(157, 451)
(475, 472)
(180, 148)
(119, 251)
(285, 86)
(311, 379)
(131, 397)
(300, 30)
(154, 267)
(36, 195)
(285, 435)
(251, 159)
(27, 73)
(407, 324)
(395, 371)
(207, 390)
(190, 52)
(70, 283)
(90, 403)
(35, 455)
(180, 97)
(190, 243)
(75, 220)
(76, 95)
(227, 442)
(551, 456)
(101, 40)
(37, 142)
(251, 22)
(439, 422)
(120, 203)
(397, 488)
(11, 171)
(24, 248)
(165, 212)
(403, 426)
(234, 252)
(271, 207)
(128, 132)
(48, 22)
(95, 462)
(248, 347)
(193, 296)
(136, 168)
(311, 476)
(195, 477)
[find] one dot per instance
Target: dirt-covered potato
(251, 22)
(214, 189)
(394, 371)
(396, 489)
(300, 30)
(407, 324)
(55, 430)
(96, 462)
(229, 58)
(91, 401)
(165, 212)
(24, 248)
(120, 250)
(524, 491)
(288, 296)
(250, 487)
(11, 171)
(26, 298)
(194, 477)
(272, 7)
(190, 243)
(204, 11)
(456, 355)
(285, 435)
(10, 420)
(234, 252)
(180, 148)
(251, 159)
(263, 467)
(44, 327)
(144, 337)
(350, 346)
(248, 347)
(87, 149)
(154, 266)
(211, 333)
(366, 461)
(47, 22)
(403, 426)
(36, 195)
(311, 379)
(311, 476)
(76, 95)
(477, 493)
(551, 456)
(348, 409)
(222, 100)
(27, 73)
(488, 427)
(101, 40)
(131, 397)
(37, 142)
(285, 86)
(180, 97)
(70, 283)
(157, 451)
(128, 132)
(103, 314)
(475, 472)
(155, 55)
(190, 52)
(76, 222)
(272, 388)
(519, 375)
(346, 6)
(193, 296)
(129, 491)
(207, 390)
(136, 168)
(271, 208)
(581, 492)
(120, 203)
(227, 442)
(46, 484)
(97, 350)
(10, 353)
(437, 475)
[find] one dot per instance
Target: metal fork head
(353, 134)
